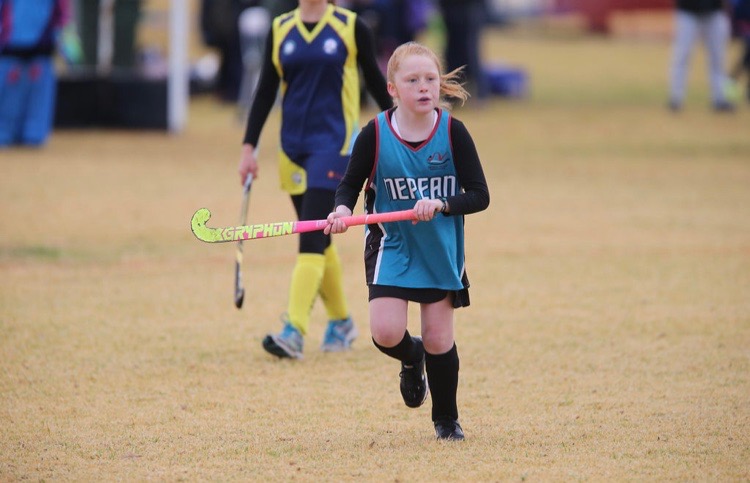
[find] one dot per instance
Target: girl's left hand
(426, 209)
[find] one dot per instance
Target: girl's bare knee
(386, 335)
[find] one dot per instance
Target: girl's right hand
(248, 163)
(335, 224)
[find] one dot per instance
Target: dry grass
(607, 340)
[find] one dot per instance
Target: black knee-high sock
(442, 375)
(406, 351)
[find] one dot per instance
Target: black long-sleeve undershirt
(268, 83)
(476, 195)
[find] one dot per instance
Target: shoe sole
(344, 346)
(452, 437)
(457, 434)
(279, 348)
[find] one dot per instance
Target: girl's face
(416, 84)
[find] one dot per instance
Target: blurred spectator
(125, 16)
(709, 20)
(254, 24)
(393, 22)
(741, 16)
(29, 33)
(464, 20)
(277, 7)
(219, 25)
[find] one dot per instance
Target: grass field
(608, 337)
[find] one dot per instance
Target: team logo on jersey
(334, 175)
(437, 160)
(330, 46)
(289, 47)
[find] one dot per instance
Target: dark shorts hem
(420, 295)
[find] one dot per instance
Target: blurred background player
(314, 53)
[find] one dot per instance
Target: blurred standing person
(125, 16)
(393, 22)
(314, 53)
(29, 32)
(219, 22)
(709, 20)
(741, 17)
(464, 20)
(277, 7)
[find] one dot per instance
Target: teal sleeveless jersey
(428, 254)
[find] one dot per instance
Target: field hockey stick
(239, 290)
(268, 230)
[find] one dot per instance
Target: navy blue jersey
(319, 81)
(320, 97)
(402, 254)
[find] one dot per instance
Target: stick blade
(239, 297)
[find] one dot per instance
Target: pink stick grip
(368, 219)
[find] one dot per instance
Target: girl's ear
(392, 91)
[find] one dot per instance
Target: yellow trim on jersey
(350, 91)
(279, 32)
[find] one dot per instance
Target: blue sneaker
(286, 344)
(339, 335)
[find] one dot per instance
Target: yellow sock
(306, 279)
(332, 286)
